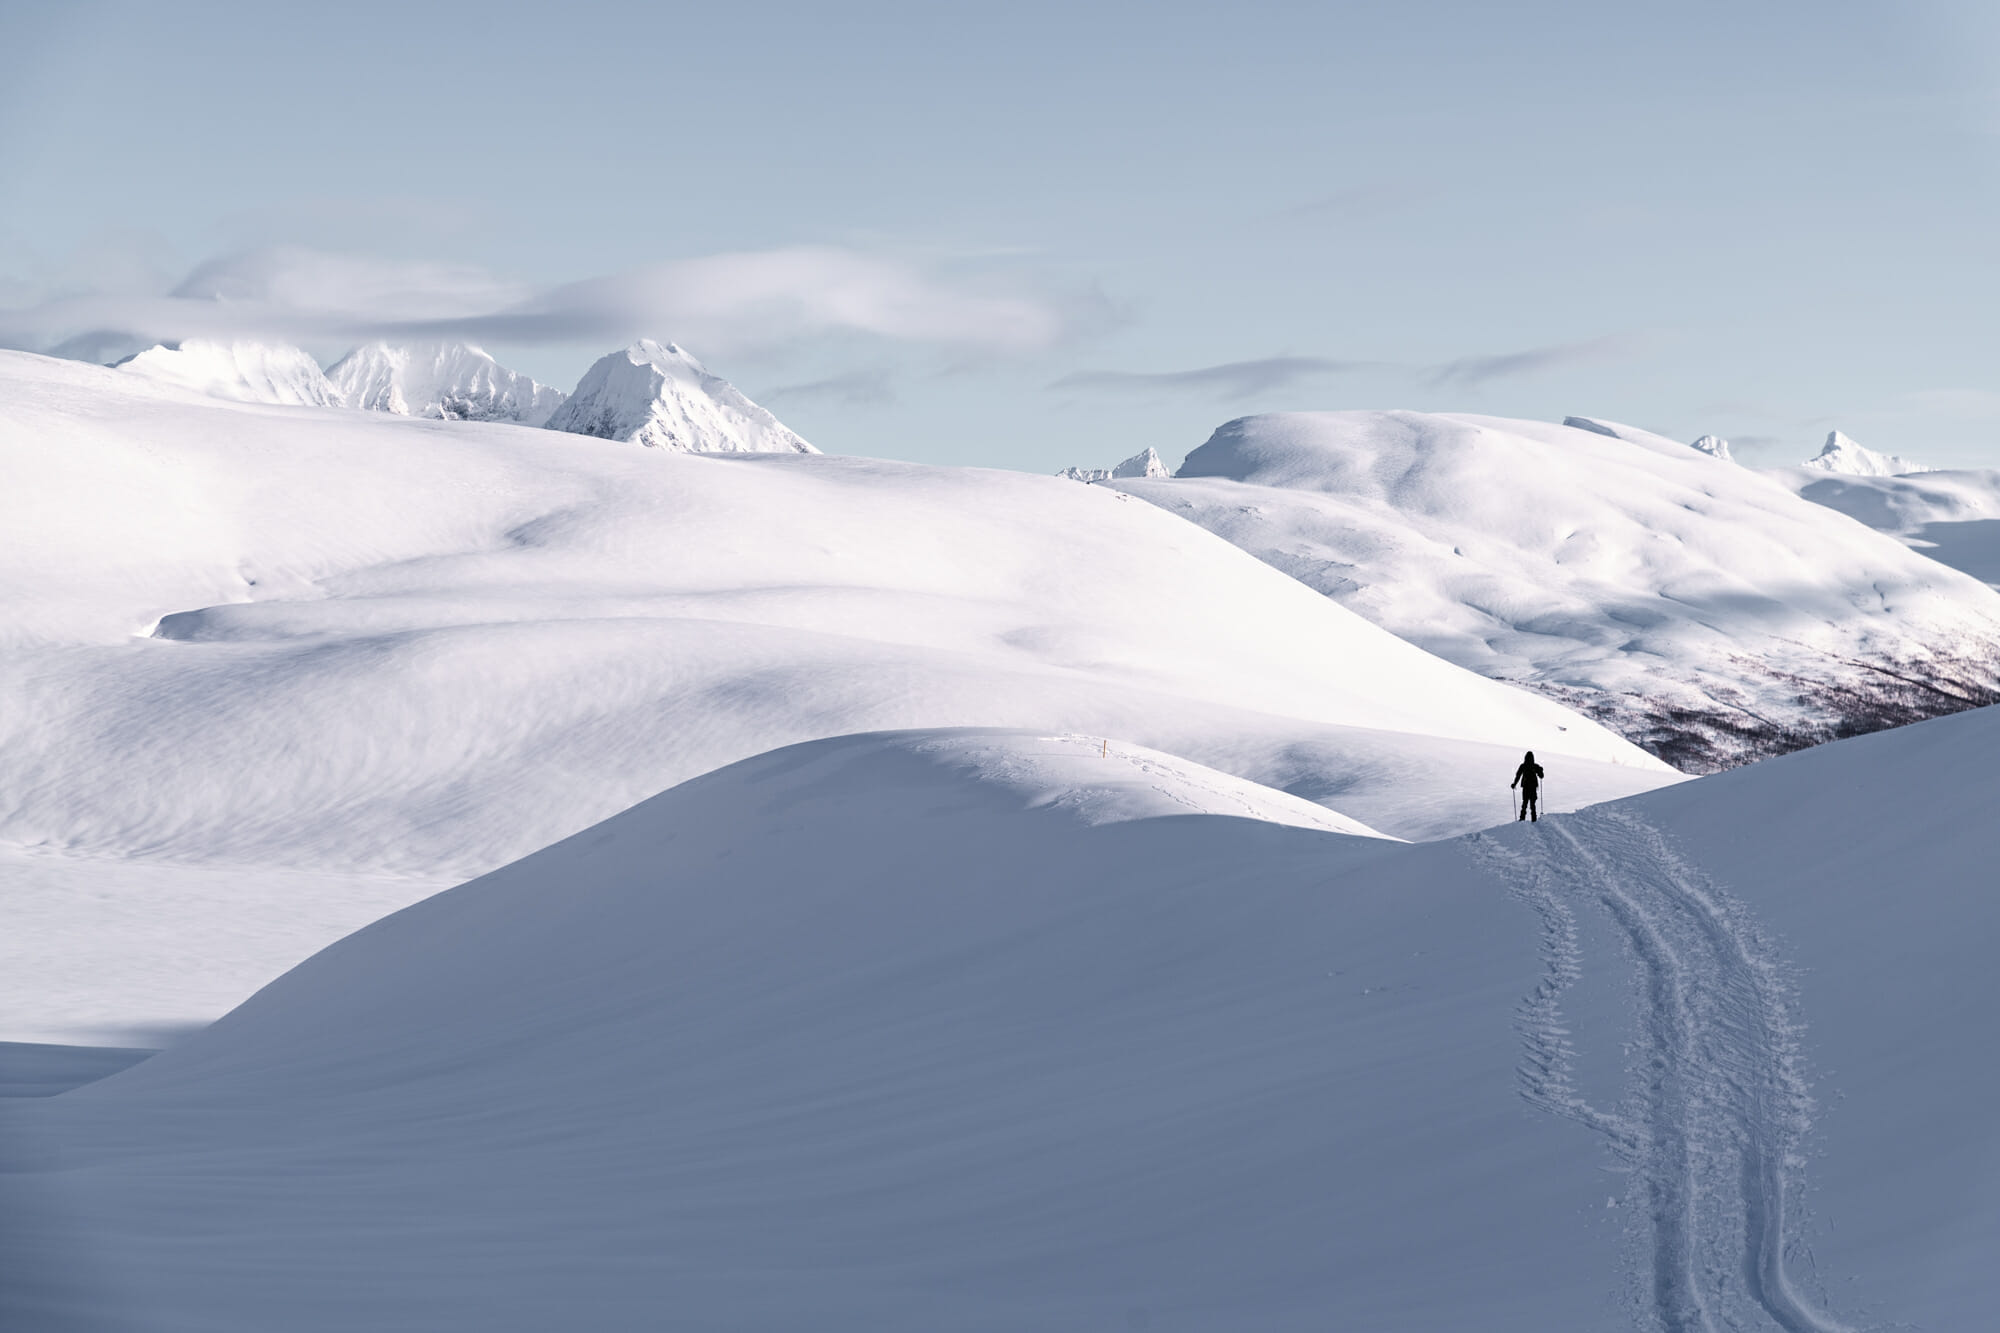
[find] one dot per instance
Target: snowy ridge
(1712, 445)
(1143, 464)
(244, 372)
(1841, 454)
(1096, 782)
(445, 381)
(660, 396)
(1705, 613)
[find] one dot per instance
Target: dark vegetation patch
(1866, 696)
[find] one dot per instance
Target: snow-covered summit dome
(658, 395)
(448, 381)
(1842, 454)
(244, 371)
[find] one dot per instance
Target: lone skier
(1528, 777)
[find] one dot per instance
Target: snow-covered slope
(662, 397)
(245, 372)
(875, 1034)
(1695, 606)
(1712, 445)
(449, 381)
(1951, 516)
(1841, 454)
(405, 650)
(1144, 464)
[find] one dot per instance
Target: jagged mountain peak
(1145, 463)
(1841, 454)
(442, 380)
(659, 395)
(1714, 446)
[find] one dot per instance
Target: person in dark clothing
(1528, 777)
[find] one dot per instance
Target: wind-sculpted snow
(406, 651)
(448, 381)
(661, 397)
(1696, 607)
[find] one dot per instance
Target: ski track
(1715, 1122)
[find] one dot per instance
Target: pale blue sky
(1041, 234)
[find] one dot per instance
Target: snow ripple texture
(1715, 1122)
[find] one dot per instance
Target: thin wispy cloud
(1365, 203)
(734, 302)
(1233, 379)
(290, 280)
(859, 388)
(1472, 371)
(1969, 404)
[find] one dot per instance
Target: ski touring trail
(1714, 1123)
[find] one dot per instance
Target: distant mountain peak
(1143, 464)
(1714, 446)
(1841, 454)
(445, 381)
(659, 395)
(243, 371)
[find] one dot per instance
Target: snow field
(859, 1035)
(336, 643)
(1091, 996)
(876, 1032)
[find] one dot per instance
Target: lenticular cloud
(728, 301)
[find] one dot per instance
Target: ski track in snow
(1715, 1123)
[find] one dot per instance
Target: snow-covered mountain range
(1692, 605)
(448, 381)
(650, 393)
(910, 898)
(658, 395)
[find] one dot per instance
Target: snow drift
(661, 397)
(1692, 605)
